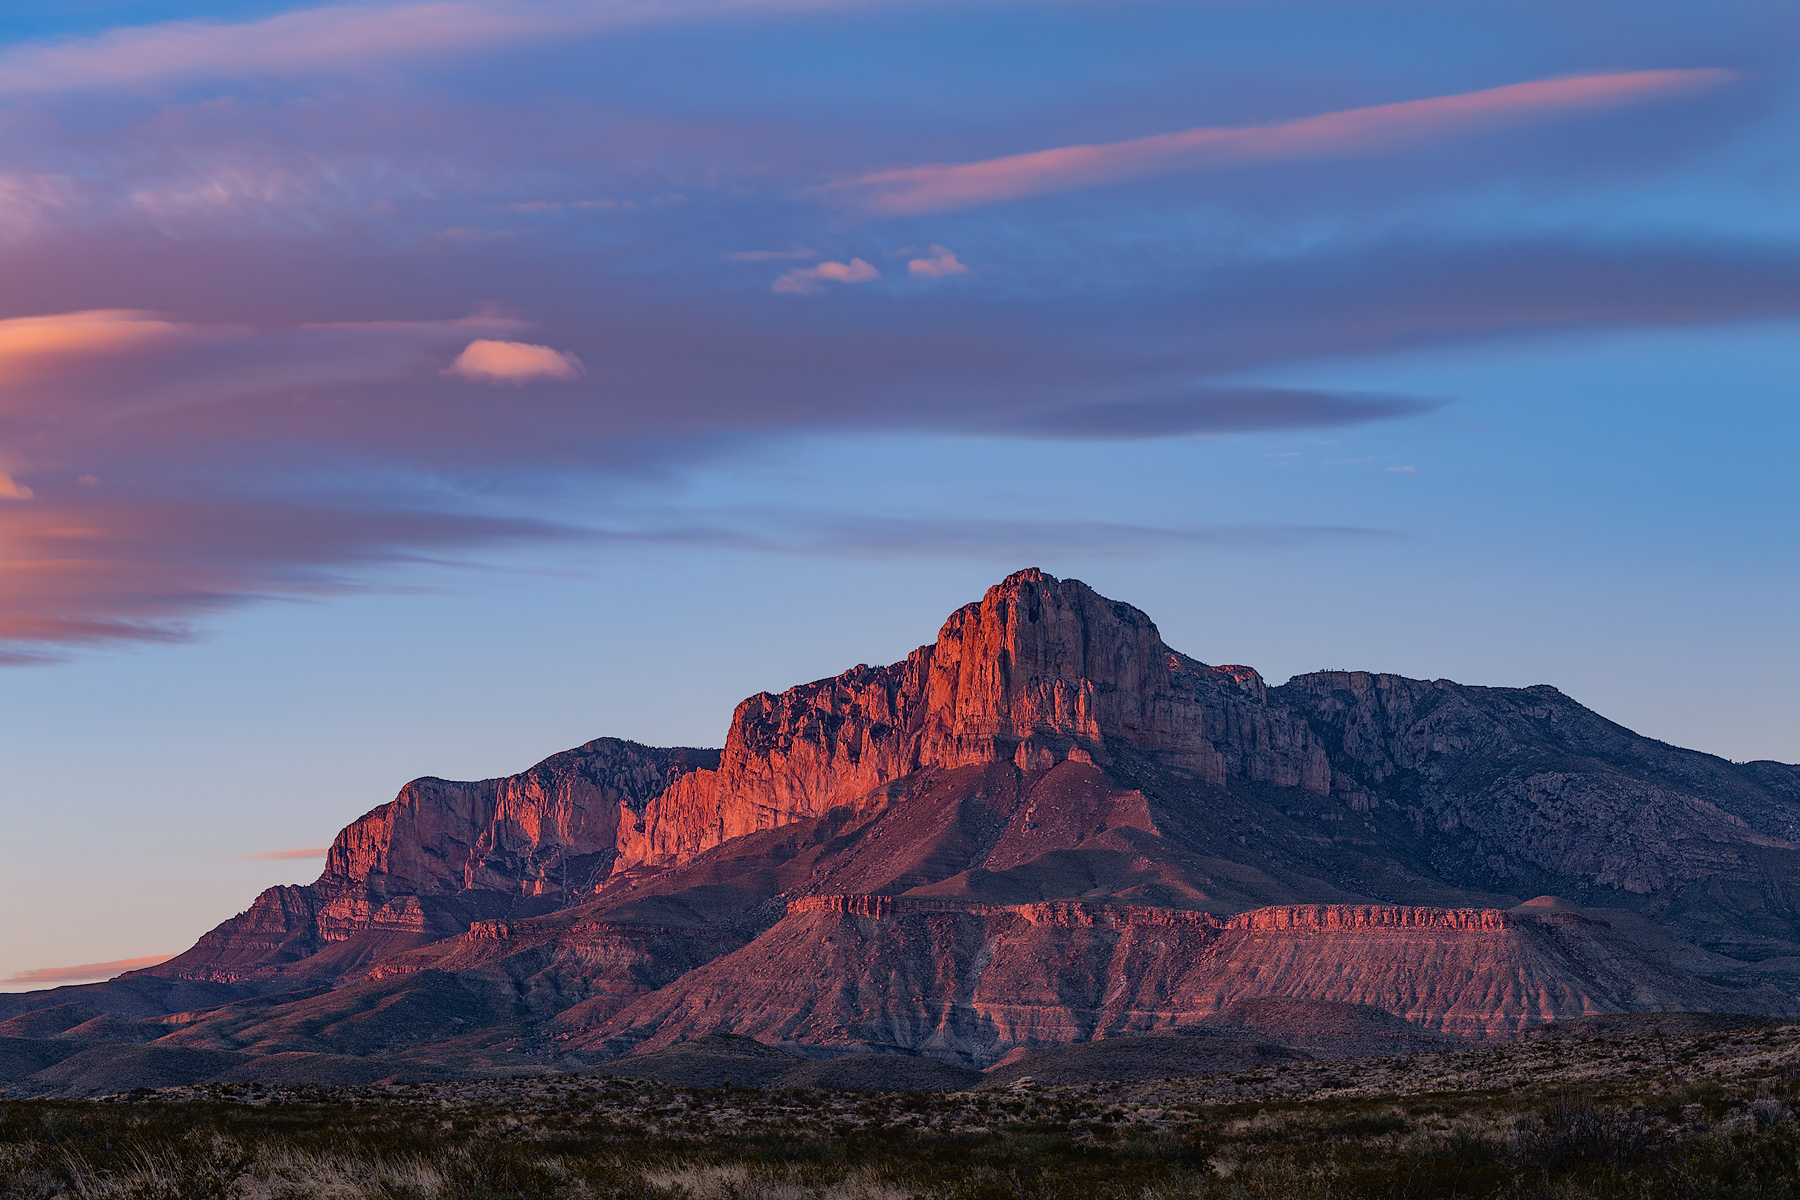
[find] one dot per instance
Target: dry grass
(1711, 1118)
(740, 1181)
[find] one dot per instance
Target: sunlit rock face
(1041, 670)
(1047, 825)
(442, 854)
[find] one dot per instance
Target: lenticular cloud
(484, 361)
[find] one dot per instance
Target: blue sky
(397, 389)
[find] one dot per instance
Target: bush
(1368, 1125)
(1574, 1133)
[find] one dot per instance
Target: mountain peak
(1039, 657)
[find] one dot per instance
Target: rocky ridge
(1046, 826)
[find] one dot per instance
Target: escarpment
(1038, 672)
(1048, 826)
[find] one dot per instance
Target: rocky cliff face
(443, 854)
(1048, 825)
(1040, 671)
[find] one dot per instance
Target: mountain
(1045, 827)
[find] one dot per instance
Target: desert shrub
(1467, 1148)
(1363, 1125)
(1769, 1112)
(1575, 1132)
(1712, 1099)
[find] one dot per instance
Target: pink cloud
(28, 344)
(103, 365)
(12, 489)
(488, 361)
(941, 186)
(942, 261)
(334, 37)
(301, 852)
(86, 972)
(806, 281)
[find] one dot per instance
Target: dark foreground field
(1706, 1115)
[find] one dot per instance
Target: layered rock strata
(973, 983)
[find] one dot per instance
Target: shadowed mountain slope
(1322, 1028)
(1139, 1058)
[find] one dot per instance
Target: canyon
(1046, 827)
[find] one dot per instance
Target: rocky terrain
(1044, 829)
(1624, 1105)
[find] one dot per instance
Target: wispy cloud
(800, 254)
(85, 972)
(286, 855)
(941, 186)
(852, 535)
(337, 37)
(102, 565)
(1213, 410)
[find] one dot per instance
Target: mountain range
(1046, 827)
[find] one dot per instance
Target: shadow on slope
(1130, 1059)
(48, 1022)
(714, 1060)
(21, 1058)
(1323, 1028)
(385, 1016)
(134, 996)
(104, 1070)
(880, 1073)
(1650, 1024)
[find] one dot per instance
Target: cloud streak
(333, 38)
(88, 566)
(302, 852)
(1375, 129)
(1213, 410)
(853, 535)
(85, 972)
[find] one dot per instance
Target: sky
(424, 388)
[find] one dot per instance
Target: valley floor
(1703, 1115)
